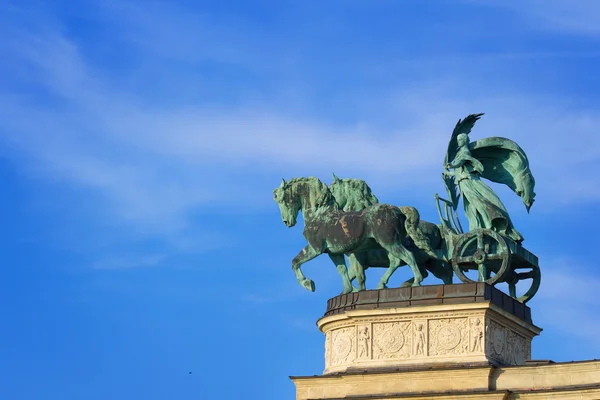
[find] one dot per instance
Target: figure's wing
(505, 162)
(462, 126)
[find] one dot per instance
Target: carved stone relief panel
(363, 345)
(476, 335)
(328, 349)
(424, 337)
(419, 333)
(495, 340)
(392, 340)
(448, 336)
(343, 346)
(515, 353)
(527, 349)
(505, 345)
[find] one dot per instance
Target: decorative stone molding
(469, 332)
(541, 380)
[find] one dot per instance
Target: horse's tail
(411, 224)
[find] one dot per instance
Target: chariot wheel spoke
(464, 260)
(512, 290)
(482, 272)
(535, 276)
(525, 275)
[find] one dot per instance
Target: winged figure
(497, 159)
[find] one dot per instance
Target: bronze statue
(348, 219)
(498, 159)
(355, 195)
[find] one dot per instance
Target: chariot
(495, 257)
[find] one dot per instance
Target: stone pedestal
(467, 341)
(442, 324)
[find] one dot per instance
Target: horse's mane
(304, 179)
(357, 193)
(324, 194)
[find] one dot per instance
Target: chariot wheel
(514, 277)
(481, 250)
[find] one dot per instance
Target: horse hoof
(309, 285)
(381, 286)
(415, 284)
(348, 290)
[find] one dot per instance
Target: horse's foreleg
(340, 263)
(305, 255)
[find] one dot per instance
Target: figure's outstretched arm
(456, 163)
(447, 172)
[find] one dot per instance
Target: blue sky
(140, 142)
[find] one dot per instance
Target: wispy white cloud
(157, 162)
(580, 16)
(574, 16)
(169, 32)
(568, 300)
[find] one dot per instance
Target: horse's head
(289, 205)
(308, 195)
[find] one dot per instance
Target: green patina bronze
(497, 159)
(348, 219)
(356, 195)
(336, 233)
(352, 194)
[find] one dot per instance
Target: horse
(355, 195)
(336, 233)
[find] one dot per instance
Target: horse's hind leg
(398, 253)
(438, 268)
(394, 264)
(352, 267)
(441, 270)
(410, 281)
(357, 269)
